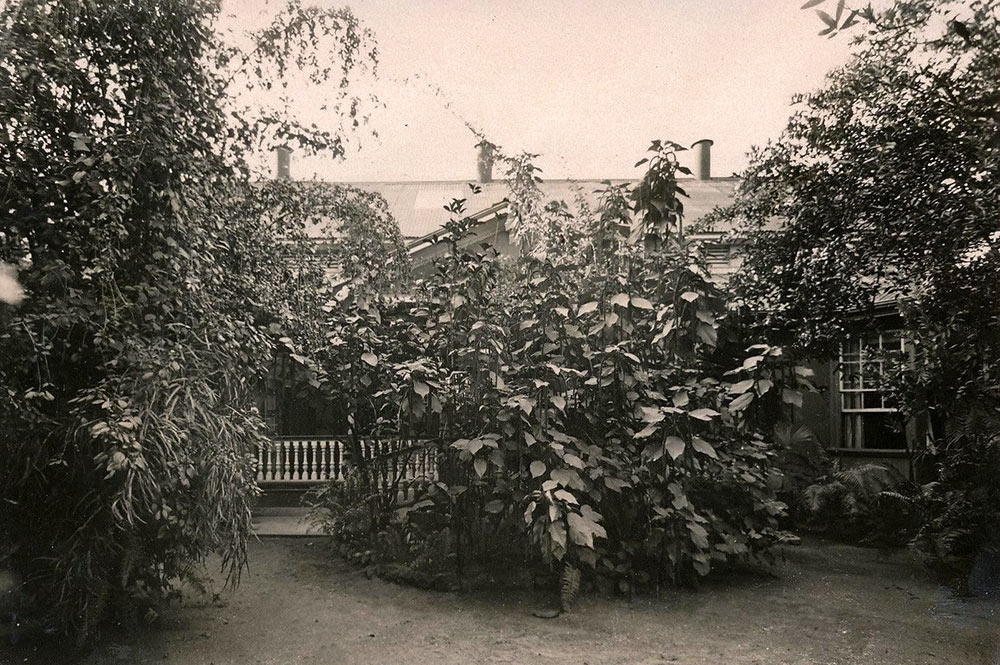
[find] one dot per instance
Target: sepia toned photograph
(377, 332)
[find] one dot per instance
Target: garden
(621, 470)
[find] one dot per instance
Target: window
(721, 259)
(867, 418)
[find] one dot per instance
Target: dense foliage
(884, 191)
(590, 402)
(157, 286)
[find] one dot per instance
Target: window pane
(880, 433)
(851, 375)
(871, 343)
(851, 431)
(852, 400)
(872, 401)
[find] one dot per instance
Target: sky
(585, 84)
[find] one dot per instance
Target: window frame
(855, 352)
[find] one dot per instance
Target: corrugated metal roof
(419, 206)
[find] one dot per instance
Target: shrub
(591, 396)
(870, 503)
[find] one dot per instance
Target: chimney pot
(484, 161)
(703, 168)
(284, 154)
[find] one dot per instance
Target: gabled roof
(419, 206)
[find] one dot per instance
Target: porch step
(282, 496)
(283, 521)
(280, 511)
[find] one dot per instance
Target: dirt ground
(824, 604)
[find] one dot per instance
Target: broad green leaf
(652, 414)
(741, 402)
(680, 398)
(559, 402)
(742, 386)
(641, 303)
(707, 334)
(494, 506)
(704, 447)
(689, 296)
(648, 430)
(587, 308)
(703, 414)
(674, 445)
(615, 484)
(653, 451)
(620, 299)
(793, 397)
(699, 536)
(667, 329)
(529, 512)
(581, 530)
(557, 532)
(480, 464)
(537, 468)
(421, 388)
(565, 496)
(565, 477)
(370, 358)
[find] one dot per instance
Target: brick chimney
(703, 167)
(284, 154)
(484, 161)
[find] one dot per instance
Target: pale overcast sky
(585, 84)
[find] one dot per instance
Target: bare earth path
(828, 604)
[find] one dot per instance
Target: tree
(589, 398)
(885, 187)
(156, 293)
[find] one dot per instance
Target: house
(419, 209)
(849, 414)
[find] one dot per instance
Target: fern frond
(896, 497)
(822, 495)
(866, 480)
(569, 587)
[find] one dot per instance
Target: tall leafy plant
(157, 288)
(591, 396)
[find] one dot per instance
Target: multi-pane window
(868, 419)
